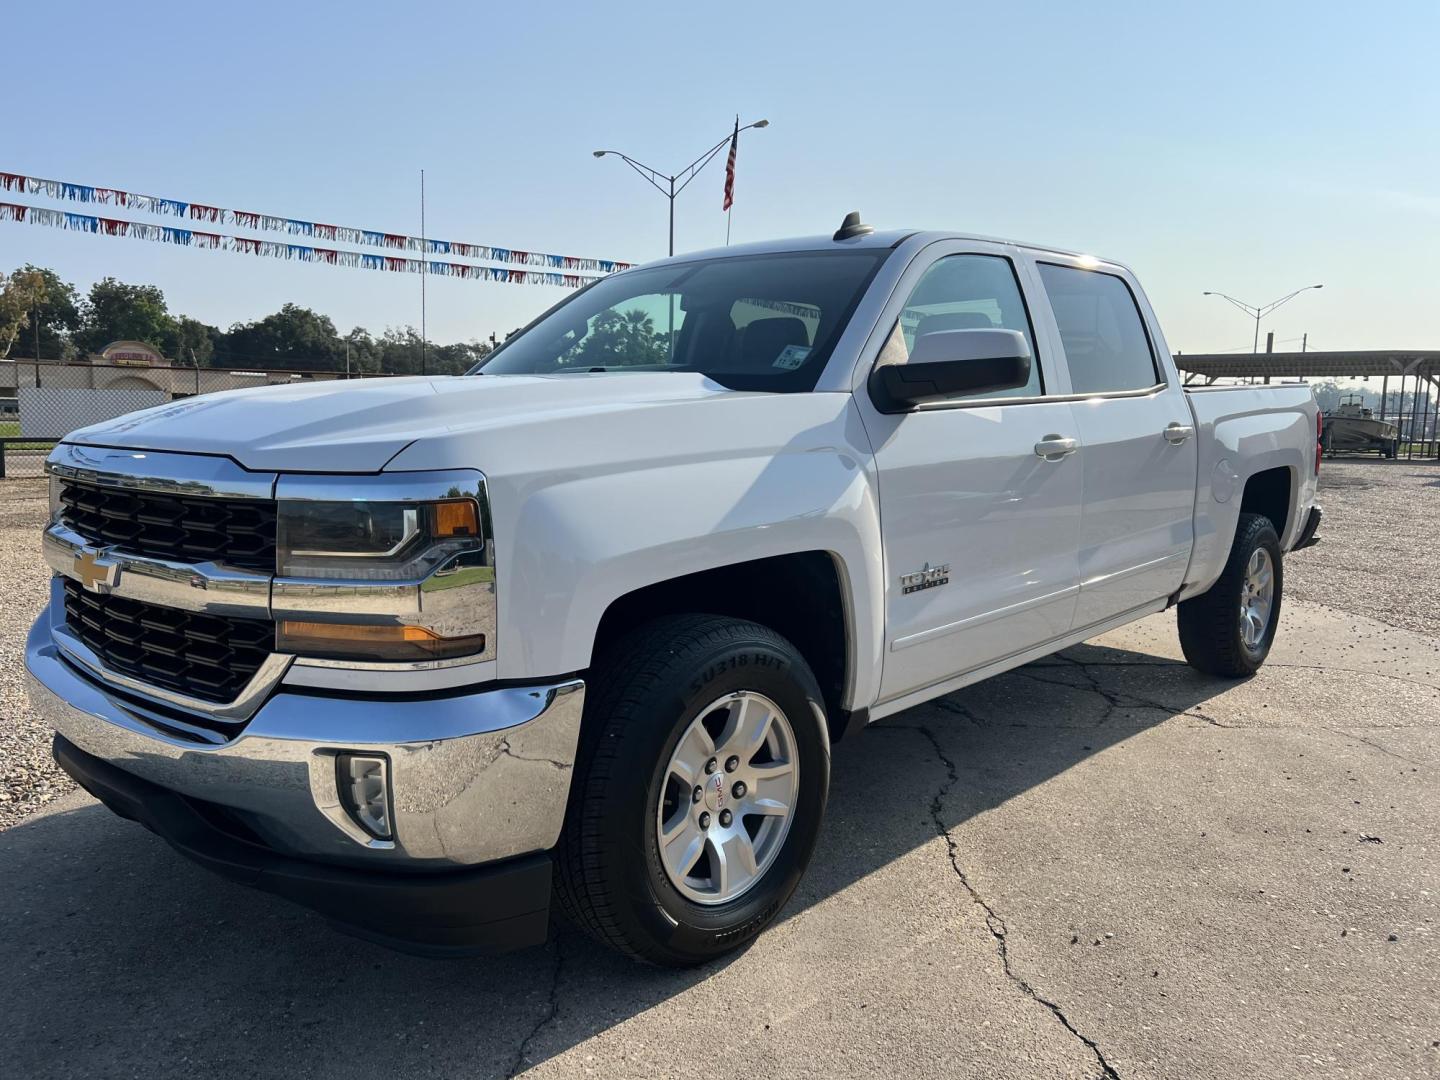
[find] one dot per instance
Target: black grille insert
(205, 656)
(185, 528)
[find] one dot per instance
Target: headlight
(393, 579)
(374, 541)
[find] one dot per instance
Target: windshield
(758, 322)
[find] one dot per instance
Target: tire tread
(1208, 623)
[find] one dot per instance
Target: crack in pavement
(1116, 699)
(1125, 699)
(959, 710)
(993, 921)
(1375, 746)
(1352, 671)
(1060, 659)
(552, 1010)
(562, 766)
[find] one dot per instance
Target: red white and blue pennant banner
(343, 234)
(165, 234)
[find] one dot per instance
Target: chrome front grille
(232, 532)
(210, 657)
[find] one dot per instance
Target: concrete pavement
(1102, 864)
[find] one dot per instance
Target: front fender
(586, 522)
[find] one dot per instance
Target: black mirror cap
(898, 388)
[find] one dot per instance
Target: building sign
(130, 354)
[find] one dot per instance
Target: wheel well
(1268, 493)
(798, 596)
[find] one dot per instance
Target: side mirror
(952, 363)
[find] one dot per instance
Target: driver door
(980, 531)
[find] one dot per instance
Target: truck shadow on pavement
(119, 957)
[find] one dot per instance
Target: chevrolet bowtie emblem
(96, 572)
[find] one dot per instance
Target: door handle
(1055, 447)
(1177, 433)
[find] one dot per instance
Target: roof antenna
(851, 227)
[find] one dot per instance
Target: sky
(1249, 148)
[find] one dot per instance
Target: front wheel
(1229, 629)
(702, 778)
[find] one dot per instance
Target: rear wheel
(697, 798)
(1229, 629)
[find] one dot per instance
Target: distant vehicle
(1352, 427)
(733, 506)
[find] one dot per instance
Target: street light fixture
(1258, 313)
(674, 184)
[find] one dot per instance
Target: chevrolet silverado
(424, 653)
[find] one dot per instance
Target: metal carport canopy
(1315, 364)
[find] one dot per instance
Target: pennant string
(276, 249)
(154, 204)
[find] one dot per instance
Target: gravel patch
(29, 777)
(1377, 553)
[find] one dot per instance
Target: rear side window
(1101, 329)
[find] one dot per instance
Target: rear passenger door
(1139, 458)
(980, 496)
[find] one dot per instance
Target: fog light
(364, 783)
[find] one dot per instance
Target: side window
(970, 292)
(1104, 337)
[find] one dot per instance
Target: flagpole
(730, 210)
(424, 270)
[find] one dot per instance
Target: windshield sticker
(791, 357)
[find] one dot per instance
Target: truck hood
(358, 426)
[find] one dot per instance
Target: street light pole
(1259, 312)
(674, 183)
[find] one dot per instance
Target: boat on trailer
(1352, 427)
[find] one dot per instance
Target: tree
(115, 311)
(193, 342)
(400, 351)
(58, 315)
(361, 355)
(620, 339)
(456, 359)
(294, 338)
(22, 293)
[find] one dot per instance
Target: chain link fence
(42, 402)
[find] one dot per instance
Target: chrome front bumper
(475, 776)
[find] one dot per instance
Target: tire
(1211, 634)
(655, 686)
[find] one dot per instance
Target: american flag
(730, 168)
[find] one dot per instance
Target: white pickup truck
(421, 653)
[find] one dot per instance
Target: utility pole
(1258, 312)
(424, 268)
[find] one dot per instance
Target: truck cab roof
(879, 239)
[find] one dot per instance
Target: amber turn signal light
(365, 641)
(458, 518)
